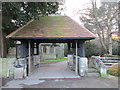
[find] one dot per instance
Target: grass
(54, 60)
(114, 73)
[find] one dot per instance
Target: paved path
(84, 82)
(58, 75)
(57, 70)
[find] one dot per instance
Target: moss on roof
(52, 27)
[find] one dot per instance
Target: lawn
(54, 60)
(5, 65)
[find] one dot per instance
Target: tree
(119, 29)
(102, 21)
(16, 14)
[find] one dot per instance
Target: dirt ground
(85, 82)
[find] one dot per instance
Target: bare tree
(102, 21)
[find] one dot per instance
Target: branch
(113, 32)
(114, 15)
(99, 26)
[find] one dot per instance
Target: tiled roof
(52, 27)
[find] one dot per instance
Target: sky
(73, 6)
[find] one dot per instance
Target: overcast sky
(72, 6)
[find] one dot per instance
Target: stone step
(93, 74)
(108, 65)
(110, 58)
(112, 61)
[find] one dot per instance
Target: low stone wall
(98, 64)
(71, 63)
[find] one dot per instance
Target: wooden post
(41, 52)
(76, 67)
(29, 60)
(37, 46)
(69, 48)
(16, 49)
(23, 49)
(32, 56)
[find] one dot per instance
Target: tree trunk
(119, 28)
(3, 45)
(110, 44)
(99, 28)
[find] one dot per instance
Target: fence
(7, 67)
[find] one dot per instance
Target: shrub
(91, 49)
